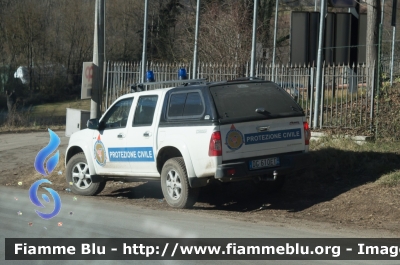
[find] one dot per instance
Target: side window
(186, 104)
(117, 116)
(144, 112)
(194, 105)
(176, 105)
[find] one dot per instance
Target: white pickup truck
(188, 135)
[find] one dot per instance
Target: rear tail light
(307, 133)
(215, 148)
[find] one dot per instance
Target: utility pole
(275, 31)
(98, 60)
(144, 42)
(394, 9)
(196, 36)
(319, 63)
(253, 47)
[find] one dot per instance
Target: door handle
(263, 128)
(147, 134)
(121, 135)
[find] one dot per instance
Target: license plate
(263, 163)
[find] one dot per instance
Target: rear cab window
(238, 102)
(186, 104)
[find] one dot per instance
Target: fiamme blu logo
(45, 163)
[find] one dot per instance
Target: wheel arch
(170, 151)
(73, 150)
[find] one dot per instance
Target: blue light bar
(150, 76)
(182, 74)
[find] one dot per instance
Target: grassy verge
(345, 161)
(59, 108)
(391, 179)
(41, 117)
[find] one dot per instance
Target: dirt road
(18, 150)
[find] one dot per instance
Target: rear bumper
(289, 163)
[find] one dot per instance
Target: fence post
(322, 96)
(107, 70)
(372, 97)
(392, 57)
(311, 87)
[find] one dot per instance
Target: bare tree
(225, 34)
(124, 24)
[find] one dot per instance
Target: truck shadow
(332, 173)
(137, 190)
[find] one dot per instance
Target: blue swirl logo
(45, 152)
(50, 166)
(35, 200)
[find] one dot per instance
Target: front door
(109, 144)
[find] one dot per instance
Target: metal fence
(346, 101)
(119, 76)
(386, 68)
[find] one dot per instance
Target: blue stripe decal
(275, 136)
(131, 154)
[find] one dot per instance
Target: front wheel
(78, 177)
(175, 184)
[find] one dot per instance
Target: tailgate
(262, 138)
(257, 119)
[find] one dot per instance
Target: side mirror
(93, 124)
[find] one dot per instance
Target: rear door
(141, 140)
(257, 120)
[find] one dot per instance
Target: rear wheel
(78, 177)
(175, 185)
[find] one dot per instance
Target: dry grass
(342, 143)
(59, 108)
(390, 180)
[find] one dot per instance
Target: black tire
(270, 187)
(175, 185)
(78, 174)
